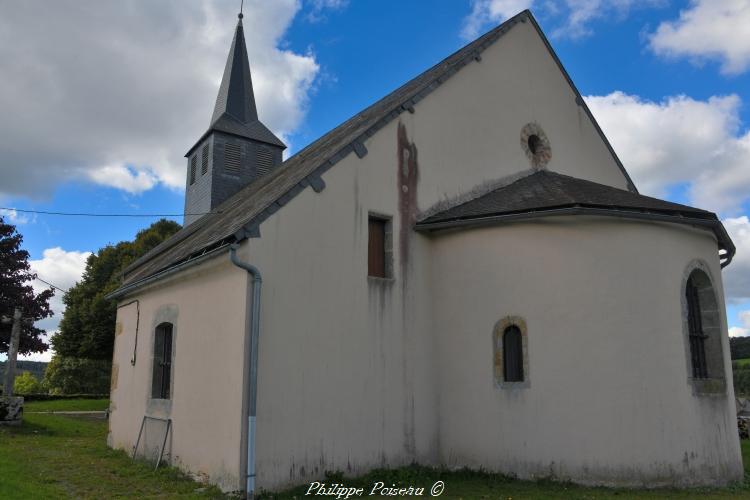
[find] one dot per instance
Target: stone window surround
(713, 325)
(543, 154)
(497, 348)
(156, 407)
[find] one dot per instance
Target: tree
(26, 383)
(77, 376)
(88, 324)
(16, 290)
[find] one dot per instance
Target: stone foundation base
(11, 410)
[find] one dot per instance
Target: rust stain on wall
(408, 177)
(115, 373)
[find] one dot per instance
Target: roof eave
(725, 242)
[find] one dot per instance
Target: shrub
(67, 375)
(26, 383)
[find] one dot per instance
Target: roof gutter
(725, 242)
(127, 289)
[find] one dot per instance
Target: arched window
(162, 369)
(704, 331)
(512, 354)
(695, 330)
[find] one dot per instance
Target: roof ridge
(472, 49)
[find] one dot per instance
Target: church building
(462, 274)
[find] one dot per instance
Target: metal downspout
(252, 375)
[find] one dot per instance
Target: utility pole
(15, 338)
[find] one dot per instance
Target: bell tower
(237, 148)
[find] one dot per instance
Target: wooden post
(15, 338)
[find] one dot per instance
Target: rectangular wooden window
(376, 248)
(162, 369)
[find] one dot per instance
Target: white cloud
(737, 274)
(116, 92)
(45, 356)
(485, 12)
(318, 7)
(709, 29)
(582, 12)
(15, 217)
(680, 140)
(744, 330)
(573, 16)
(128, 179)
(736, 331)
(63, 269)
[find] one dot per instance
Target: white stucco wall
(207, 309)
(468, 130)
(357, 372)
(608, 399)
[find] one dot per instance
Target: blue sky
(669, 82)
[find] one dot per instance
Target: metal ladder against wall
(164, 441)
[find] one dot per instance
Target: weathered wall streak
(408, 177)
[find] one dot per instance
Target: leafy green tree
(26, 383)
(83, 346)
(16, 290)
(88, 325)
(77, 376)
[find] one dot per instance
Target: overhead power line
(50, 284)
(88, 214)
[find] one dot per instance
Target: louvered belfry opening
(264, 159)
(193, 163)
(512, 354)
(204, 159)
(162, 367)
(232, 159)
(695, 331)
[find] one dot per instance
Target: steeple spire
(237, 148)
(235, 112)
(236, 97)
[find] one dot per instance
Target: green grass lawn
(471, 484)
(67, 405)
(56, 456)
(742, 362)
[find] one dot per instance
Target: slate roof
(239, 217)
(544, 193)
(235, 112)
(547, 190)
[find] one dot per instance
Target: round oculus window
(535, 145)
